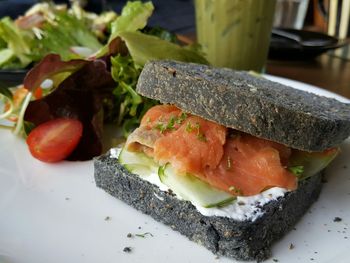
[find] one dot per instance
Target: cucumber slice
(140, 169)
(312, 162)
(127, 157)
(138, 163)
(193, 189)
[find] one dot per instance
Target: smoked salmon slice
(159, 114)
(251, 165)
(195, 146)
(229, 160)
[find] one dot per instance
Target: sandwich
(230, 160)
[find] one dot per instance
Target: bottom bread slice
(242, 240)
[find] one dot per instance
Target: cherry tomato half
(54, 140)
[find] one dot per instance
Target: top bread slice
(247, 103)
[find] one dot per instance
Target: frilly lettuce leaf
(6, 55)
(18, 41)
(134, 16)
(144, 48)
(65, 32)
(3, 43)
(49, 68)
(131, 106)
(161, 33)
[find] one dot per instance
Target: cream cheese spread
(244, 208)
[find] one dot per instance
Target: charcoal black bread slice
(255, 105)
(243, 240)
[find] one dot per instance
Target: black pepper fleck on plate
(127, 249)
(337, 219)
(107, 218)
(275, 260)
(291, 246)
(129, 235)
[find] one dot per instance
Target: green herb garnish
(296, 170)
(171, 123)
(197, 126)
(181, 118)
(189, 127)
(160, 127)
(144, 235)
(170, 126)
(222, 203)
(235, 190)
(201, 137)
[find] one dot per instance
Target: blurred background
(167, 13)
(179, 15)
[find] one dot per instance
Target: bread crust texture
(255, 105)
(242, 240)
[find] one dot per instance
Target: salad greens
(99, 89)
(47, 28)
(134, 16)
(132, 106)
(71, 32)
(80, 96)
(142, 47)
(18, 45)
(153, 47)
(51, 67)
(161, 33)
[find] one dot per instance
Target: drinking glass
(235, 33)
(290, 13)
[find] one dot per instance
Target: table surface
(326, 71)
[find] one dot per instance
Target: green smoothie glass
(235, 33)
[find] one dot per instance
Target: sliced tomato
(55, 140)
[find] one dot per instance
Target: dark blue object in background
(174, 15)
(14, 8)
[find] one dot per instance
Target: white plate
(54, 213)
